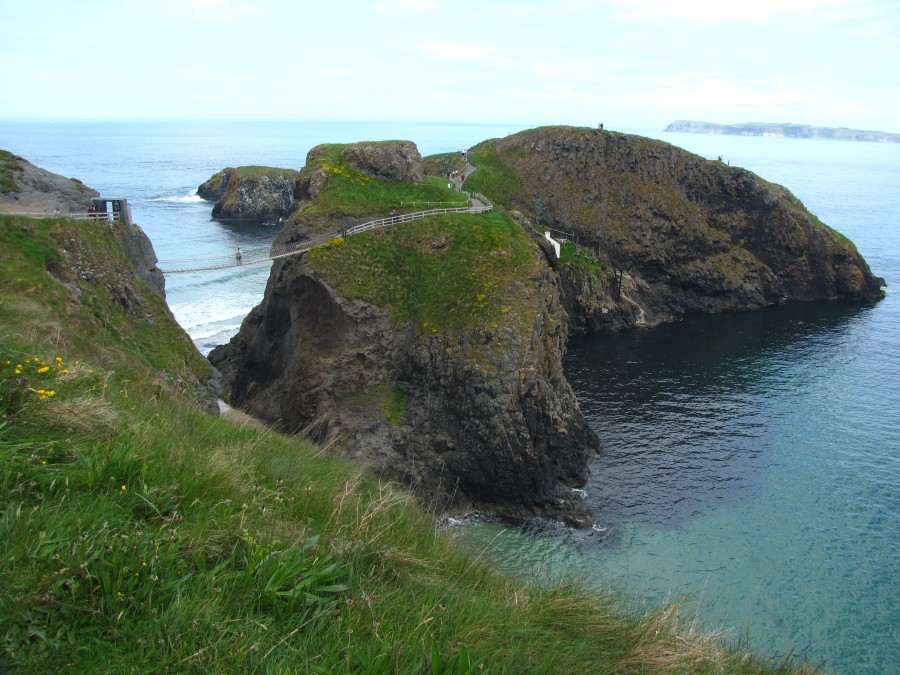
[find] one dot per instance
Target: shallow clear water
(750, 461)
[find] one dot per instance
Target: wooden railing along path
(110, 216)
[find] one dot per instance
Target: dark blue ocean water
(750, 462)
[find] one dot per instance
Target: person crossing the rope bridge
(238, 256)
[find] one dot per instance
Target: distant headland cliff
(783, 131)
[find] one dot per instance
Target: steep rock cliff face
(484, 418)
(252, 193)
(391, 160)
(139, 249)
(686, 234)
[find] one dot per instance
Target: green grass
(139, 533)
(8, 167)
(494, 178)
(443, 273)
(350, 192)
(576, 256)
(242, 172)
(75, 267)
(441, 165)
(393, 402)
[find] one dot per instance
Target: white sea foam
(191, 198)
(206, 344)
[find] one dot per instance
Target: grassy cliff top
(442, 273)
(140, 533)
(257, 171)
(349, 192)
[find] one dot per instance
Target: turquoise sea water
(750, 461)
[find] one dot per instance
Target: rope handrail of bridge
(261, 255)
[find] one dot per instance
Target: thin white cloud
(458, 52)
(737, 10)
(400, 6)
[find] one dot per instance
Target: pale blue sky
(629, 63)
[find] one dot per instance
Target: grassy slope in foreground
(139, 533)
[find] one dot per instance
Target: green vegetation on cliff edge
(443, 274)
(350, 192)
(8, 165)
(140, 533)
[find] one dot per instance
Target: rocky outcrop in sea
(484, 419)
(252, 193)
(672, 232)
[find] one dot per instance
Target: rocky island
(432, 351)
(778, 130)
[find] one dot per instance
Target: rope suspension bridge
(477, 203)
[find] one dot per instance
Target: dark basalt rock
(252, 194)
(139, 249)
(390, 160)
(484, 427)
(689, 235)
(215, 188)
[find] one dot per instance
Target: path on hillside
(458, 179)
